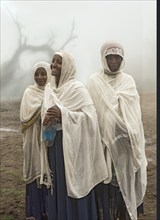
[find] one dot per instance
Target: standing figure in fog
(117, 104)
(30, 116)
(75, 156)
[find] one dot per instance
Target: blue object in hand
(49, 133)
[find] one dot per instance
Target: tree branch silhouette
(9, 67)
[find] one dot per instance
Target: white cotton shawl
(30, 104)
(119, 114)
(82, 149)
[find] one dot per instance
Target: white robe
(30, 113)
(84, 160)
(119, 115)
(31, 101)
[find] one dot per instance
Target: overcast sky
(132, 23)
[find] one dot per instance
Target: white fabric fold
(83, 153)
(118, 108)
(30, 105)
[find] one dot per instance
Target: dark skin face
(40, 76)
(56, 66)
(54, 113)
(114, 62)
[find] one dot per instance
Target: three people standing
(96, 164)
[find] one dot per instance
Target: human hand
(53, 114)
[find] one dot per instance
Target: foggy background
(33, 30)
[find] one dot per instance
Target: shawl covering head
(118, 108)
(113, 48)
(30, 109)
(33, 95)
(82, 149)
(68, 70)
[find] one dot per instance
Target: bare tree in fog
(9, 68)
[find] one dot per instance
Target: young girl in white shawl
(117, 103)
(76, 157)
(30, 116)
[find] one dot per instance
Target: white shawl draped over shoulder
(82, 149)
(119, 115)
(30, 113)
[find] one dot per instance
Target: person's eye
(109, 58)
(118, 58)
(43, 73)
(59, 62)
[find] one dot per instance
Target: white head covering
(68, 69)
(30, 110)
(46, 66)
(118, 108)
(82, 149)
(33, 95)
(109, 48)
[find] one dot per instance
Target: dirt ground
(11, 181)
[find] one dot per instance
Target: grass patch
(12, 192)
(12, 173)
(7, 217)
(11, 105)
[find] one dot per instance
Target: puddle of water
(9, 129)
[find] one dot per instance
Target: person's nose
(113, 60)
(39, 76)
(54, 64)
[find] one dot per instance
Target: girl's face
(114, 62)
(40, 76)
(56, 65)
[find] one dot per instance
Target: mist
(33, 30)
